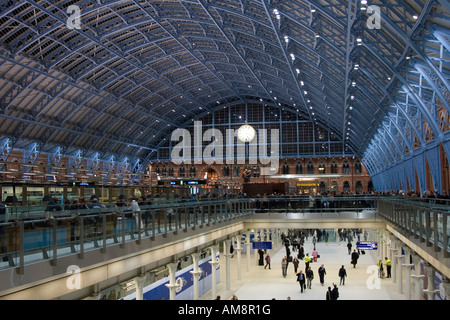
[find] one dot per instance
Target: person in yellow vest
(380, 269)
(307, 261)
(388, 263)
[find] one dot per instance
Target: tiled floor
(265, 284)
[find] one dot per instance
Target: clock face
(246, 133)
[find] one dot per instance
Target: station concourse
(264, 284)
(140, 141)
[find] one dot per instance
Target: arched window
(285, 168)
(322, 168)
(226, 171)
(346, 186)
(192, 172)
(358, 167)
(358, 187)
(310, 168)
(345, 168)
(182, 171)
(334, 186)
(237, 171)
(334, 167)
(299, 168)
(255, 171)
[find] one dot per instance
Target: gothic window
(358, 168)
(334, 168)
(310, 168)
(237, 171)
(345, 168)
(182, 171)
(285, 168)
(192, 172)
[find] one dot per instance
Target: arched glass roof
(117, 77)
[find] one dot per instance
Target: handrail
(46, 236)
(49, 235)
(428, 224)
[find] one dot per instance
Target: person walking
(349, 247)
(314, 255)
(322, 272)
(267, 261)
(301, 279)
(388, 264)
(301, 252)
(329, 295)
(295, 262)
(342, 274)
(284, 264)
(309, 277)
(307, 261)
(355, 257)
(334, 292)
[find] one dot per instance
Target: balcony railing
(424, 220)
(34, 235)
(31, 234)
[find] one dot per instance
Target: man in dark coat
(322, 272)
(355, 257)
(301, 279)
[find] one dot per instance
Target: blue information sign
(367, 245)
(262, 245)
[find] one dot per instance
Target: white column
(417, 278)
(407, 265)
(226, 249)
(214, 262)
(430, 291)
(172, 285)
(394, 250)
(248, 246)
(255, 252)
(380, 244)
(196, 273)
(399, 272)
(140, 287)
(238, 254)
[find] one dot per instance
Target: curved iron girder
(442, 92)
(233, 45)
(388, 116)
(289, 63)
(412, 45)
(394, 101)
(117, 53)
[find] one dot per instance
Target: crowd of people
(294, 246)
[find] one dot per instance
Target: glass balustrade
(32, 234)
